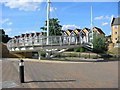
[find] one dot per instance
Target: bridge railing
(41, 41)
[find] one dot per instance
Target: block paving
(61, 75)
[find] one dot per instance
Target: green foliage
(99, 45)
(70, 49)
(43, 54)
(80, 49)
(3, 37)
(54, 27)
(77, 49)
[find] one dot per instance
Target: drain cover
(8, 84)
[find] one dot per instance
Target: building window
(115, 27)
(115, 32)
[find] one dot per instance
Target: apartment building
(86, 37)
(98, 31)
(115, 27)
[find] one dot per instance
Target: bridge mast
(92, 25)
(48, 16)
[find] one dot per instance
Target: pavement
(61, 60)
(60, 74)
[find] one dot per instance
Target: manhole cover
(8, 84)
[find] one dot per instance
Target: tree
(99, 45)
(54, 27)
(3, 37)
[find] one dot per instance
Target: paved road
(61, 75)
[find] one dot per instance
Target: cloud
(29, 31)
(9, 23)
(65, 27)
(3, 21)
(74, 0)
(104, 23)
(8, 31)
(106, 17)
(109, 17)
(98, 18)
(25, 5)
(6, 21)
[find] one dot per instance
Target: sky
(18, 17)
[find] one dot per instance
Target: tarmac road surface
(61, 75)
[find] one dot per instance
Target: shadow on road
(51, 81)
(106, 60)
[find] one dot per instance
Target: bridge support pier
(39, 55)
(48, 55)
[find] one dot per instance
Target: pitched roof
(37, 33)
(16, 36)
(78, 30)
(87, 29)
(22, 35)
(62, 30)
(83, 33)
(99, 30)
(109, 36)
(70, 30)
(32, 34)
(115, 21)
(27, 34)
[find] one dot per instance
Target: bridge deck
(40, 43)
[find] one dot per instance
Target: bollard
(21, 71)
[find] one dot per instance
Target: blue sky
(26, 17)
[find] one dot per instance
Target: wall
(115, 28)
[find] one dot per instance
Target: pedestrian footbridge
(54, 44)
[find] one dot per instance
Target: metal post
(39, 55)
(92, 24)
(60, 40)
(47, 55)
(48, 16)
(21, 71)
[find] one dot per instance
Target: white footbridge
(55, 44)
